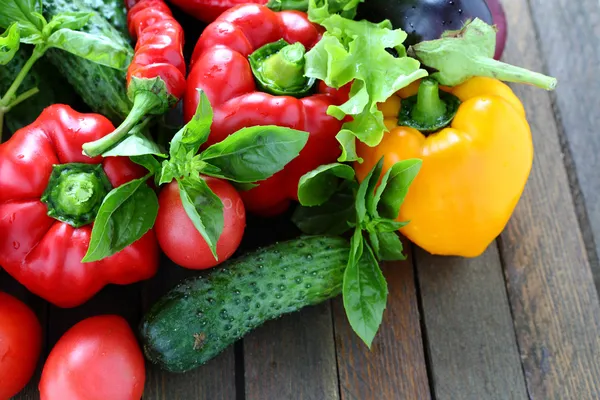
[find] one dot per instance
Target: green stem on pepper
(143, 105)
(75, 192)
(278, 68)
(429, 110)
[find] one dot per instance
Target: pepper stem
(286, 67)
(429, 107)
(143, 104)
(279, 69)
(75, 192)
(430, 110)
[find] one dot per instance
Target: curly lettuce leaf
(357, 51)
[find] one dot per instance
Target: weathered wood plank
(569, 35)
(472, 345)
(213, 381)
(550, 284)
(292, 358)
(395, 367)
(12, 287)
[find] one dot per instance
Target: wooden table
(522, 321)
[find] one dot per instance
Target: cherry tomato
(179, 238)
(20, 345)
(97, 359)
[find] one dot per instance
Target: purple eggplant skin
(424, 19)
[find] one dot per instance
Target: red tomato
(20, 345)
(97, 359)
(179, 238)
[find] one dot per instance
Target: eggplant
(425, 19)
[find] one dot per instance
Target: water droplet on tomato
(20, 156)
(16, 245)
(12, 217)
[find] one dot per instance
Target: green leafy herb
(364, 290)
(194, 133)
(253, 154)
(333, 217)
(126, 214)
(317, 186)
(372, 209)
(137, 143)
(204, 208)
(96, 48)
(23, 13)
(318, 10)
(461, 55)
(148, 162)
(9, 44)
(356, 51)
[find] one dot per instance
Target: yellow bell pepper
(475, 163)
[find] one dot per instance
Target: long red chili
(156, 75)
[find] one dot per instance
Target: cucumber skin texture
(101, 88)
(202, 316)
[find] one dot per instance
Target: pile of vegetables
(359, 120)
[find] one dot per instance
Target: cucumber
(113, 11)
(101, 88)
(202, 316)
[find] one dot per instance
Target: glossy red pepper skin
(159, 46)
(209, 10)
(220, 67)
(45, 254)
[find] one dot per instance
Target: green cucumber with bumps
(202, 316)
(102, 88)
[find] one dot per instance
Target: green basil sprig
(244, 157)
(24, 23)
(333, 202)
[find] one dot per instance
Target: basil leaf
(69, 20)
(364, 290)
(386, 225)
(204, 208)
(147, 161)
(168, 172)
(126, 214)
(364, 196)
(254, 154)
(389, 197)
(194, 133)
(390, 247)
(21, 12)
(96, 48)
(135, 144)
(317, 186)
(9, 44)
(333, 217)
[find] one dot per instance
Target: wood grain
(472, 344)
(213, 381)
(12, 287)
(569, 37)
(550, 285)
(292, 358)
(395, 366)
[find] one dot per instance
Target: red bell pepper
(249, 44)
(156, 75)
(49, 196)
(208, 10)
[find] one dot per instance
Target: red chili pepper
(156, 75)
(49, 196)
(221, 67)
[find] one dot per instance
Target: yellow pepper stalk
(477, 154)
